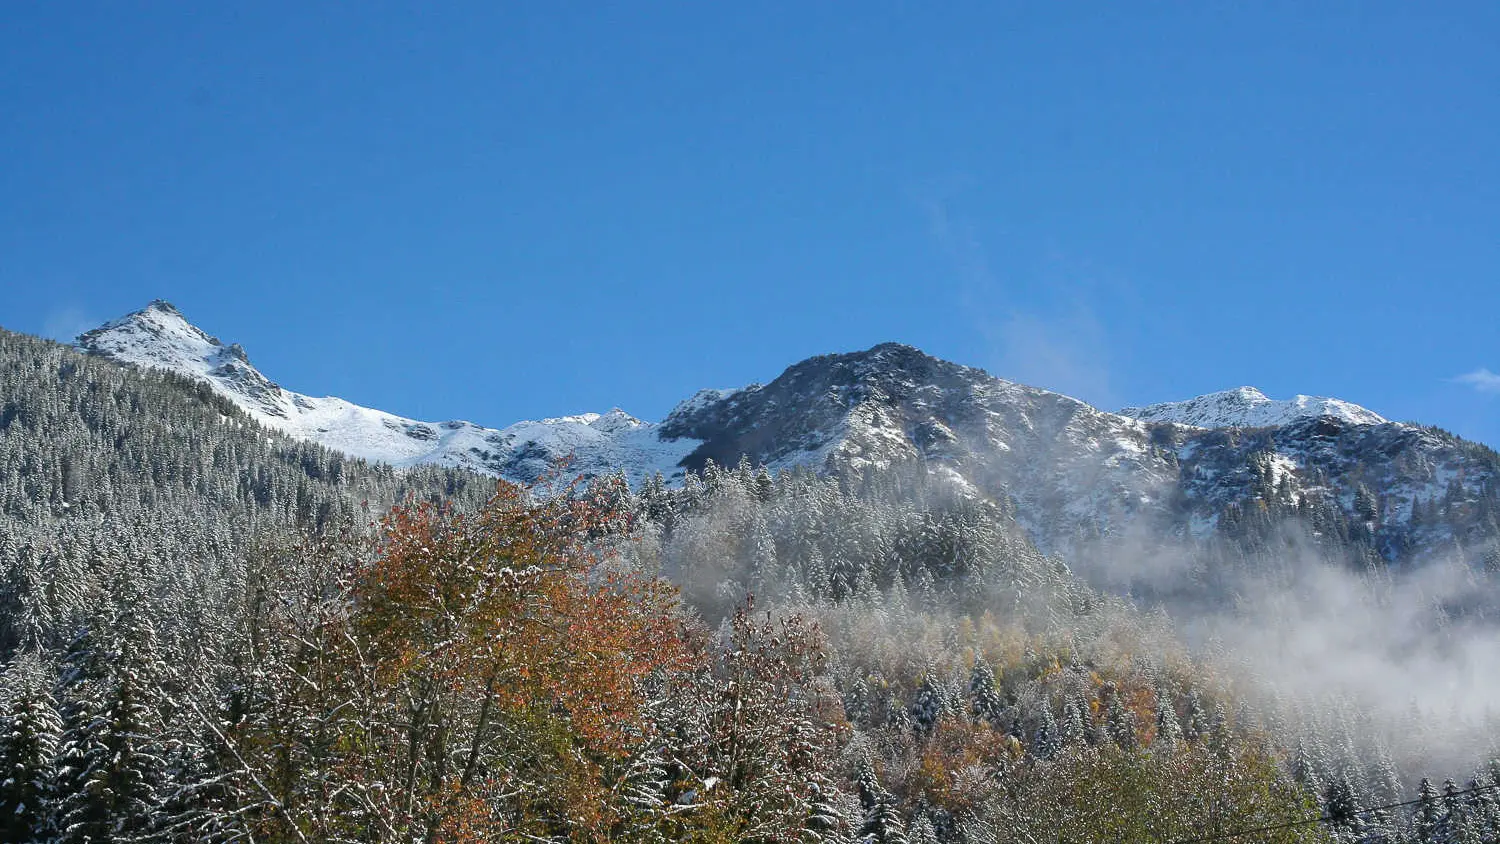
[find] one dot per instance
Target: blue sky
(503, 211)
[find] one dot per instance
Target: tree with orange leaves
(478, 677)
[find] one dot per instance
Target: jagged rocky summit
(1069, 470)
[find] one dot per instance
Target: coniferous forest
(210, 632)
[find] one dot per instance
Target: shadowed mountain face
(1075, 475)
(892, 407)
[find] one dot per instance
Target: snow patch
(1247, 407)
(160, 337)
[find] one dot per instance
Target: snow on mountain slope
(1068, 467)
(160, 337)
(1086, 483)
(1247, 407)
(1080, 481)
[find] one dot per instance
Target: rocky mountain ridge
(1072, 473)
(1247, 407)
(159, 336)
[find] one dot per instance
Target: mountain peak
(890, 367)
(892, 349)
(1251, 395)
(897, 354)
(1248, 407)
(159, 336)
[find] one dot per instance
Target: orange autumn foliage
(955, 749)
(474, 677)
(512, 597)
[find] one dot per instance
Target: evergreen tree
(928, 707)
(114, 766)
(1048, 737)
(826, 820)
(986, 704)
(1074, 733)
(923, 831)
(1468, 811)
(1339, 804)
(1430, 818)
(882, 822)
(29, 731)
(1121, 723)
(1168, 731)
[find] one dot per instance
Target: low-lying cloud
(1415, 651)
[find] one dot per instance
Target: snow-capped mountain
(1072, 474)
(1066, 465)
(160, 337)
(1077, 475)
(1247, 407)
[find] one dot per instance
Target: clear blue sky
(499, 211)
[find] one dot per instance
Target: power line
(1224, 836)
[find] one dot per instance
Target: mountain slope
(1072, 475)
(160, 337)
(1247, 407)
(1081, 477)
(1066, 465)
(101, 464)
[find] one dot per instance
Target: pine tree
(1468, 811)
(1430, 819)
(1121, 723)
(29, 731)
(1048, 737)
(1168, 731)
(826, 819)
(116, 766)
(1198, 720)
(923, 831)
(1486, 808)
(1074, 731)
(882, 823)
(927, 708)
(83, 812)
(1307, 771)
(1340, 805)
(985, 700)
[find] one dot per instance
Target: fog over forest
(213, 632)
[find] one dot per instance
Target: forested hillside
(213, 633)
(130, 503)
(119, 486)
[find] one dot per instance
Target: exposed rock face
(1073, 473)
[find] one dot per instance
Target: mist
(1371, 665)
(1412, 652)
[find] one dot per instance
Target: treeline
(105, 470)
(204, 639)
(508, 674)
(947, 591)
